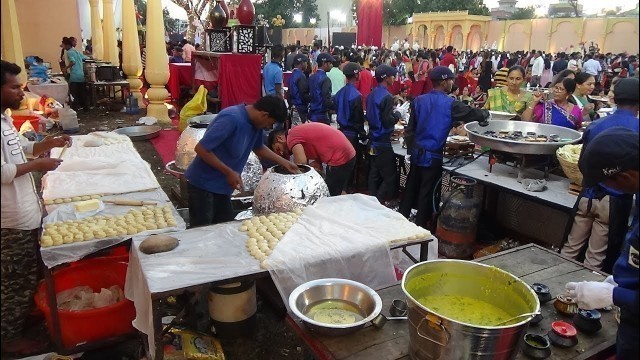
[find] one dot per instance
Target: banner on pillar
(370, 22)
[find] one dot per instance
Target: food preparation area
(272, 339)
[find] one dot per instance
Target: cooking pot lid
(564, 329)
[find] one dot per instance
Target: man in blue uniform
(611, 158)
(350, 114)
(299, 90)
(601, 214)
(320, 89)
(222, 153)
(382, 119)
(432, 116)
(272, 73)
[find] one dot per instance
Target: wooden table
(531, 263)
(109, 88)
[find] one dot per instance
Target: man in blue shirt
(383, 174)
(611, 158)
(320, 90)
(601, 214)
(432, 116)
(299, 90)
(222, 153)
(177, 56)
(272, 73)
(77, 85)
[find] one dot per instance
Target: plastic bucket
(18, 120)
(78, 327)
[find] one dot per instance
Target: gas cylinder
(458, 219)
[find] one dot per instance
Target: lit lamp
(312, 21)
(297, 18)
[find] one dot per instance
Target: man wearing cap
(382, 119)
(176, 55)
(432, 116)
(601, 213)
(320, 89)
(350, 114)
(611, 158)
(299, 90)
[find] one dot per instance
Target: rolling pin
(130, 202)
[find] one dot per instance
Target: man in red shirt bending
(321, 144)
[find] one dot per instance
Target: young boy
(222, 153)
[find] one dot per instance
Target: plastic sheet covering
(355, 228)
(56, 255)
(78, 177)
(343, 237)
(286, 192)
(122, 150)
(205, 254)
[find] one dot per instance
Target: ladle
(516, 317)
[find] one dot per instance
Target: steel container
(434, 336)
(280, 191)
(185, 149)
(567, 136)
(354, 292)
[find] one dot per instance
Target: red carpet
(165, 144)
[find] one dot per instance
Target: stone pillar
(131, 58)
(109, 33)
(157, 65)
(97, 40)
(11, 43)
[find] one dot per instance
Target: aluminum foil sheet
(185, 149)
(277, 192)
(251, 174)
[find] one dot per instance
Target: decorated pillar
(131, 59)
(97, 40)
(157, 64)
(11, 43)
(109, 33)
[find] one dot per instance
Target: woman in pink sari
(558, 110)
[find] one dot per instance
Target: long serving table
(207, 256)
(531, 263)
(504, 177)
(58, 256)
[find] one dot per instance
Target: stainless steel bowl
(475, 134)
(335, 289)
(141, 132)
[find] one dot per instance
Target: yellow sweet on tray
(87, 205)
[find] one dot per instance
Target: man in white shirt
(536, 69)
(592, 66)
(21, 215)
(188, 49)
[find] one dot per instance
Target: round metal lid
(564, 329)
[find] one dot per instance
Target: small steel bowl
(354, 292)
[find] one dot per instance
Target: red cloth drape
(370, 22)
(179, 74)
(237, 76)
(240, 79)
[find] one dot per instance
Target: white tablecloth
(59, 91)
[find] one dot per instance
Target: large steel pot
(185, 149)
(434, 336)
(475, 132)
(280, 191)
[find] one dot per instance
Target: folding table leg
(53, 308)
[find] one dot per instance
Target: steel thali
(566, 136)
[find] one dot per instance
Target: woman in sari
(585, 84)
(558, 110)
(479, 97)
(511, 98)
